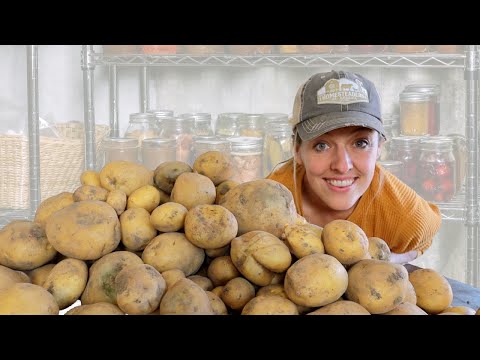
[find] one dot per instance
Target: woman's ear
(297, 154)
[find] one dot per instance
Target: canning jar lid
(411, 96)
(390, 163)
(251, 119)
(141, 117)
(156, 142)
(245, 142)
(435, 88)
(405, 140)
(120, 142)
(161, 112)
(437, 143)
(276, 117)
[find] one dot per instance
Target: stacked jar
(396, 167)
(415, 111)
(226, 125)
(182, 130)
(391, 127)
(433, 92)
(203, 144)
(203, 124)
(118, 148)
(437, 169)
(278, 144)
(252, 125)
(157, 150)
(405, 150)
(142, 126)
(247, 157)
(460, 154)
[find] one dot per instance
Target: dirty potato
(90, 192)
(137, 231)
(125, 175)
(215, 165)
(48, 206)
(168, 217)
(90, 177)
(167, 173)
(117, 199)
(146, 197)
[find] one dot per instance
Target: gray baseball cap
(335, 99)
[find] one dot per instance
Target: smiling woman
(338, 136)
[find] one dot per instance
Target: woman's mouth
(344, 183)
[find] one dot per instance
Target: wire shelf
(432, 60)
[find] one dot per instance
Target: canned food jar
(202, 124)
(142, 126)
(405, 149)
(278, 144)
(226, 125)
(460, 154)
(391, 127)
(394, 166)
(203, 144)
(251, 125)
(157, 150)
(433, 91)
(247, 157)
(415, 112)
(437, 169)
(288, 49)
(181, 129)
(275, 117)
(118, 148)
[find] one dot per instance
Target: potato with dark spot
(237, 293)
(406, 308)
(66, 281)
(434, 292)
(204, 282)
(270, 305)
(39, 275)
(49, 206)
(217, 291)
(27, 299)
(8, 277)
(410, 296)
(139, 289)
(101, 277)
(215, 165)
(167, 173)
(341, 307)
(172, 276)
(214, 253)
(24, 246)
(185, 298)
(84, 230)
(379, 286)
(192, 189)
(99, 308)
(346, 241)
(146, 197)
(137, 231)
(172, 250)
(125, 175)
(117, 199)
(90, 177)
(378, 249)
(210, 226)
(90, 192)
(221, 270)
(315, 280)
(217, 304)
(462, 310)
(223, 188)
(302, 241)
(168, 217)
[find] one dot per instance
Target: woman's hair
(297, 141)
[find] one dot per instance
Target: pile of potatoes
(189, 240)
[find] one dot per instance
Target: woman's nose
(341, 161)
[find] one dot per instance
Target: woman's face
(339, 165)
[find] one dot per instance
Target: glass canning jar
(182, 130)
(157, 150)
(391, 127)
(203, 144)
(394, 166)
(433, 91)
(118, 148)
(247, 157)
(275, 117)
(142, 126)
(415, 110)
(436, 169)
(405, 149)
(278, 145)
(203, 124)
(251, 125)
(460, 154)
(226, 124)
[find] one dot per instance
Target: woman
(338, 135)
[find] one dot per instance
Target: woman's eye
(361, 143)
(321, 147)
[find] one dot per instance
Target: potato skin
(185, 298)
(270, 305)
(192, 189)
(27, 299)
(137, 231)
(434, 292)
(167, 173)
(99, 308)
(90, 192)
(8, 277)
(49, 206)
(146, 197)
(168, 217)
(118, 200)
(125, 175)
(215, 165)
(341, 307)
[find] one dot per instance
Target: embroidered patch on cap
(342, 91)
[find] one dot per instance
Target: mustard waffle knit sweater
(389, 209)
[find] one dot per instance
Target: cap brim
(319, 125)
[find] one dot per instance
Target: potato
(215, 165)
(48, 206)
(118, 200)
(316, 280)
(378, 285)
(8, 277)
(90, 192)
(302, 241)
(90, 177)
(185, 298)
(262, 204)
(210, 226)
(258, 255)
(99, 308)
(406, 308)
(462, 310)
(27, 299)
(137, 231)
(101, 280)
(139, 289)
(168, 217)
(341, 307)
(218, 306)
(223, 188)
(173, 251)
(39, 275)
(85, 230)
(126, 176)
(270, 305)
(172, 276)
(24, 246)
(221, 270)
(66, 281)
(218, 291)
(146, 197)
(236, 293)
(222, 251)
(192, 189)
(204, 282)
(378, 249)
(434, 292)
(167, 172)
(345, 240)
(411, 296)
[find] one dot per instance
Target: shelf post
(144, 90)
(472, 71)
(113, 92)
(33, 128)
(88, 68)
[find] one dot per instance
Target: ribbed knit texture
(389, 209)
